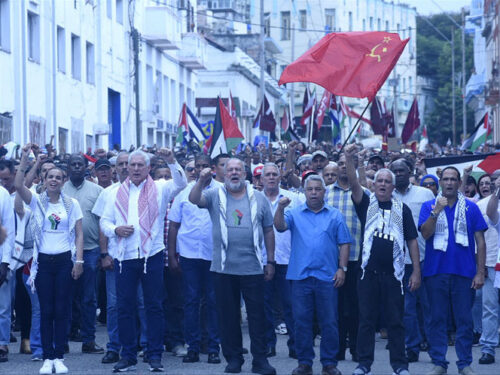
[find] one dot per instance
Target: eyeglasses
(189, 169)
(428, 184)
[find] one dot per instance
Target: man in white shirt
(190, 233)
(279, 286)
(133, 221)
(7, 221)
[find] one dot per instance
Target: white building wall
(41, 91)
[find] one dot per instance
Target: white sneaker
(60, 367)
(47, 367)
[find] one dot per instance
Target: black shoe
(233, 367)
(330, 370)
(75, 337)
(424, 346)
(92, 348)
(110, 357)
(475, 340)
(4, 355)
(486, 359)
(191, 357)
(263, 368)
(271, 352)
(302, 369)
(341, 355)
(292, 353)
(155, 365)
(412, 357)
(213, 358)
(124, 365)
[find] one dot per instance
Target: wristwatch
(343, 268)
(434, 215)
(104, 255)
(273, 262)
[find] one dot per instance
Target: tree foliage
(434, 62)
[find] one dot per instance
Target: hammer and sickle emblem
(374, 49)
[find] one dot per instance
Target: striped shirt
(341, 199)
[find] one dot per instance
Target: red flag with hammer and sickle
(354, 64)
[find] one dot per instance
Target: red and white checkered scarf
(148, 212)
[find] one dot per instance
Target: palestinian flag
(481, 133)
(226, 134)
(486, 163)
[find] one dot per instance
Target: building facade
(67, 70)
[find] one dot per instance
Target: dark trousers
(22, 306)
(377, 289)
(310, 294)
(198, 281)
(228, 291)
(53, 284)
(279, 288)
(173, 307)
(128, 278)
(348, 309)
(443, 290)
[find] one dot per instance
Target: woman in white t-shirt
(56, 225)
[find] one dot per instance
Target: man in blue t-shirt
(317, 266)
(453, 228)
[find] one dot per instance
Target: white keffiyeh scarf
(223, 226)
(459, 226)
(374, 222)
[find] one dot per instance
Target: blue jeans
(279, 288)
(5, 308)
(489, 337)
(35, 340)
(111, 313)
(87, 285)
(443, 290)
(198, 280)
(307, 295)
(54, 287)
(413, 325)
(128, 279)
(477, 311)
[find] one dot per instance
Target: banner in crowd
(487, 163)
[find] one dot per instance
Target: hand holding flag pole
(354, 64)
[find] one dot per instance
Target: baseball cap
(376, 157)
(306, 174)
(257, 171)
(320, 153)
(102, 163)
(303, 158)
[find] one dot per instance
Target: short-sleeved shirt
(55, 228)
(490, 236)
(315, 240)
(86, 194)
(382, 251)
(457, 259)
(241, 258)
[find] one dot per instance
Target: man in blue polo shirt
(453, 228)
(318, 233)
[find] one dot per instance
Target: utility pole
(464, 108)
(135, 47)
(453, 115)
(262, 55)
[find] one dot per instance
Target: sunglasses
(428, 184)
(189, 169)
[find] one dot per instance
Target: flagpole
(311, 124)
(355, 125)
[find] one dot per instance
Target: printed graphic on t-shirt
(54, 221)
(237, 216)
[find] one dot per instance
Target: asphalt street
(78, 363)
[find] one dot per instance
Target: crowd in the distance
(317, 244)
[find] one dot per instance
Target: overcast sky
(427, 7)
